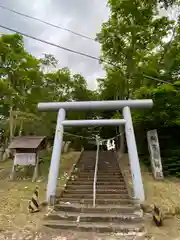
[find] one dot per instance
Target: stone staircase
(115, 210)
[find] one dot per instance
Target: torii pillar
(62, 107)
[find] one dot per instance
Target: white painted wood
(25, 159)
(133, 156)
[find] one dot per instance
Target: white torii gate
(62, 107)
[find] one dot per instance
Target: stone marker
(154, 151)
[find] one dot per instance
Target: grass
(166, 195)
(15, 195)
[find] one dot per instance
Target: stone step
(98, 201)
(114, 173)
(94, 217)
(96, 227)
(103, 166)
(79, 183)
(84, 195)
(112, 164)
(100, 187)
(99, 183)
(99, 235)
(98, 191)
(87, 166)
(109, 180)
(99, 172)
(98, 209)
(100, 178)
(100, 168)
(115, 211)
(89, 186)
(105, 176)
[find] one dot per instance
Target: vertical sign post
(155, 156)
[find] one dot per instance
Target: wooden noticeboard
(25, 159)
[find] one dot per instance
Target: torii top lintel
(95, 105)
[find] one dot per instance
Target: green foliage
(127, 39)
(165, 117)
(140, 48)
(169, 3)
(25, 81)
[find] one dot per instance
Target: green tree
(19, 73)
(165, 117)
(140, 48)
(130, 36)
(25, 81)
(168, 3)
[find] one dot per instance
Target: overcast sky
(83, 16)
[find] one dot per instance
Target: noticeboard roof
(26, 142)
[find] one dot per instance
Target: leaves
(142, 50)
(169, 3)
(132, 40)
(25, 81)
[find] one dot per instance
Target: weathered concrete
(95, 105)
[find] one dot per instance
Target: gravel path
(46, 234)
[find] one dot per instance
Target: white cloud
(83, 16)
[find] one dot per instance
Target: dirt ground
(166, 195)
(15, 220)
(16, 223)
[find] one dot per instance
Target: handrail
(95, 173)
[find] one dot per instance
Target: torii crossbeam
(62, 107)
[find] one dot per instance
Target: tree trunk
(120, 130)
(20, 128)
(11, 124)
(122, 145)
